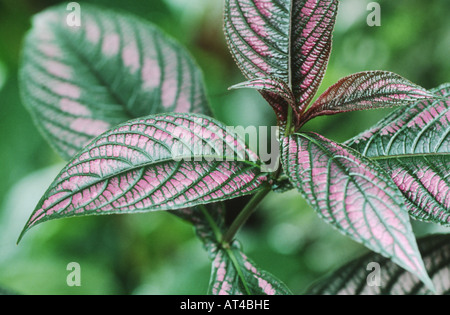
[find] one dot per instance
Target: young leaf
(358, 277)
(413, 145)
(366, 90)
(233, 273)
(161, 162)
(355, 196)
(79, 81)
(273, 85)
(286, 39)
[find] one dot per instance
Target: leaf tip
(428, 283)
(32, 221)
(24, 230)
(238, 86)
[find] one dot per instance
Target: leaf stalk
(243, 216)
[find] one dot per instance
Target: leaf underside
(78, 82)
(354, 195)
(352, 279)
(413, 145)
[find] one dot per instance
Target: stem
(243, 216)
(287, 132)
(211, 222)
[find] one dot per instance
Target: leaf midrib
(94, 72)
(326, 151)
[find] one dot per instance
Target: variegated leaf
(79, 81)
(413, 144)
(161, 162)
(209, 223)
(286, 39)
(355, 196)
(366, 90)
(362, 276)
(272, 85)
(233, 273)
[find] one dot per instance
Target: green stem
(211, 222)
(287, 132)
(243, 216)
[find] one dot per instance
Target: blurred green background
(157, 253)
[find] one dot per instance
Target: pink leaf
(160, 162)
(233, 273)
(366, 90)
(78, 82)
(355, 196)
(289, 40)
(413, 145)
(311, 36)
(352, 279)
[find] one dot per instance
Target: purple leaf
(355, 196)
(413, 145)
(366, 90)
(352, 279)
(160, 162)
(78, 82)
(311, 37)
(286, 39)
(233, 273)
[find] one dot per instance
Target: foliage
(82, 97)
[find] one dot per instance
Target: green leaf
(413, 145)
(360, 276)
(354, 195)
(79, 81)
(160, 162)
(233, 273)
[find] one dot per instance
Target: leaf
(352, 278)
(78, 82)
(209, 223)
(354, 195)
(267, 84)
(413, 145)
(286, 39)
(161, 162)
(233, 273)
(366, 90)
